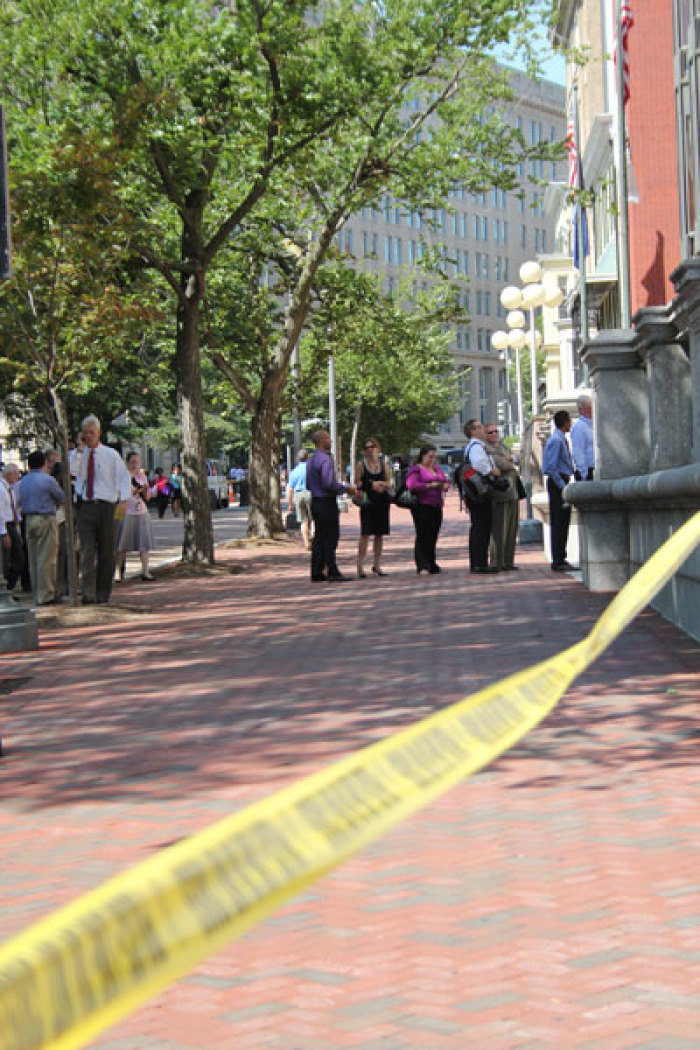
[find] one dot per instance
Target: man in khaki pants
(40, 495)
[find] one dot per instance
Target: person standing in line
(299, 498)
(14, 554)
(101, 482)
(372, 477)
(476, 455)
(558, 466)
(135, 531)
(322, 483)
(427, 480)
(505, 510)
(582, 450)
(176, 489)
(40, 496)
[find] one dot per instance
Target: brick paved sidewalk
(551, 901)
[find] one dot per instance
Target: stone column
(686, 279)
(668, 381)
(621, 415)
(621, 434)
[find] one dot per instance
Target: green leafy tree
(67, 314)
(393, 367)
(421, 113)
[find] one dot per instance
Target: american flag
(627, 21)
(576, 183)
(570, 143)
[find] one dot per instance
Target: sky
(553, 65)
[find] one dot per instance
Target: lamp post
(515, 300)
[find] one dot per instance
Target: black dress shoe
(562, 567)
(486, 570)
(337, 577)
(319, 577)
(511, 568)
(434, 569)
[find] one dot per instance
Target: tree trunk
(198, 543)
(353, 437)
(63, 434)
(264, 516)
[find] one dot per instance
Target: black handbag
(406, 499)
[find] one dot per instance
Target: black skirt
(374, 517)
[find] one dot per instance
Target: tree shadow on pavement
(237, 685)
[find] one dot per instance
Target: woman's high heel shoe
(378, 572)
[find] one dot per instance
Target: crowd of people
(489, 485)
(110, 498)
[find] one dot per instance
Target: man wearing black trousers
(476, 455)
(101, 482)
(558, 465)
(325, 488)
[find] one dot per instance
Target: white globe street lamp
(516, 340)
(530, 272)
(553, 296)
(511, 297)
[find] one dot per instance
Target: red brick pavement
(551, 901)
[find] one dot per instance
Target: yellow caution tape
(94, 961)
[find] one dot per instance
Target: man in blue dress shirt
(39, 496)
(582, 450)
(324, 487)
(558, 466)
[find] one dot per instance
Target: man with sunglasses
(504, 521)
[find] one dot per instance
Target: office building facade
(484, 238)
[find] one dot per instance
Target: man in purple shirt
(324, 487)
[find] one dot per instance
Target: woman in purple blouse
(426, 479)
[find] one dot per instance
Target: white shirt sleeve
(479, 458)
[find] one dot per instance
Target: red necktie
(90, 490)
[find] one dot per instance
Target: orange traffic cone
(231, 494)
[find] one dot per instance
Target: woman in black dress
(372, 478)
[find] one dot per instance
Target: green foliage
(392, 359)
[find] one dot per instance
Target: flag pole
(583, 294)
(623, 251)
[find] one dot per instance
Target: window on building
(487, 304)
(479, 304)
(348, 241)
(387, 209)
(397, 251)
(484, 228)
(387, 249)
(523, 236)
(397, 216)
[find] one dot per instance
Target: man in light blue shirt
(582, 449)
(40, 495)
(299, 497)
(558, 466)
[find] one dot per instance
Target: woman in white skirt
(135, 531)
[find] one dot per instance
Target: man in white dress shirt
(582, 450)
(14, 556)
(101, 482)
